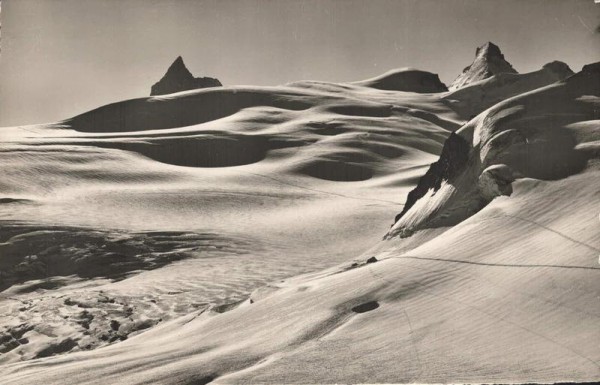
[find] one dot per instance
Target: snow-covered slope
(490, 274)
(478, 96)
(144, 210)
(527, 136)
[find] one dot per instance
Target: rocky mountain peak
(488, 62)
(179, 78)
(489, 50)
(178, 68)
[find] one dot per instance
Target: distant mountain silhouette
(179, 78)
(489, 61)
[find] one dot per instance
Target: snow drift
(489, 274)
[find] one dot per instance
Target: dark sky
(63, 57)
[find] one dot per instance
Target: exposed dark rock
(114, 325)
(453, 158)
(11, 338)
(12, 200)
(8, 346)
(489, 61)
(57, 348)
(372, 260)
(179, 78)
(85, 319)
(365, 307)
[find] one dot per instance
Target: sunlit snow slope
(490, 273)
(143, 210)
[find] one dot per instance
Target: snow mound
(119, 200)
(182, 109)
(407, 80)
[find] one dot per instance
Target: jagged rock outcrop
(179, 78)
(489, 61)
(453, 158)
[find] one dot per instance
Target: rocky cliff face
(452, 160)
(489, 61)
(179, 78)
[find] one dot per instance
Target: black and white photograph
(299, 192)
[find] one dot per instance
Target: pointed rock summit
(488, 62)
(179, 78)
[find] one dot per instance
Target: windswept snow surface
(467, 287)
(126, 216)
